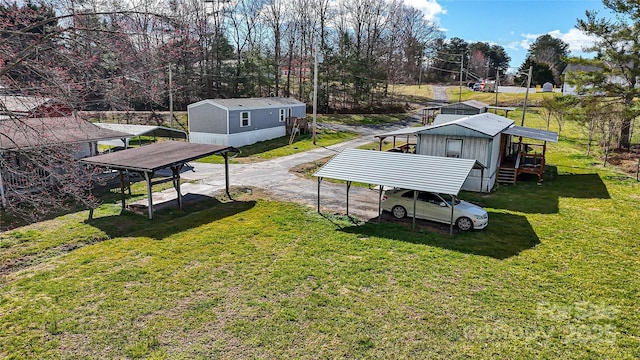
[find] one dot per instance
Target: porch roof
(537, 134)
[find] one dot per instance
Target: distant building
(572, 69)
(32, 106)
(243, 121)
(469, 107)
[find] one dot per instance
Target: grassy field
(504, 99)
(555, 275)
(413, 93)
(360, 119)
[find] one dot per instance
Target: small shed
(469, 107)
(475, 137)
(241, 121)
(547, 87)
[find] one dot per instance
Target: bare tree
(62, 62)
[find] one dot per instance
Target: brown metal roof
(157, 156)
(24, 133)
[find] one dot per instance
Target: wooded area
(131, 54)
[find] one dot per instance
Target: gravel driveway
(274, 175)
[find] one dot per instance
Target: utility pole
(526, 94)
(497, 83)
(420, 75)
(461, 69)
(315, 92)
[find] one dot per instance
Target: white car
(435, 207)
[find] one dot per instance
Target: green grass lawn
(361, 119)
(555, 275)
(504, 99)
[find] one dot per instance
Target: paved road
(440, 93)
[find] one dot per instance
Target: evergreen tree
(618, 47)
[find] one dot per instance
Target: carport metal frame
(389, 169)
(161, 155)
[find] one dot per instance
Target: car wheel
(398, 212)
(464, 224)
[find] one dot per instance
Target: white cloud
(430, 8)
(576, 39)
(514, 45)
(527, 40)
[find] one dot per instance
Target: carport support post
(175, 170)
(319, 181)
(380, 203)
(348, 187)
(415, 200)
(226, 173)
(453, 204)
(122, 187)
(149, 194)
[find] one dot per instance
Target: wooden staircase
(507, 175)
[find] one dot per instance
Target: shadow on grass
(506, 236)
(168, 221)
(530, 198)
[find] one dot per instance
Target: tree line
(121, 57)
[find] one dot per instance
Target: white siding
(472, 148)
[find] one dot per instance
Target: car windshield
(447, 198)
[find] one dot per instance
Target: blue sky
(512, 24)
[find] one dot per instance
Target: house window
(245, 119)
(459, 112)
(454, 148)
(283, 116)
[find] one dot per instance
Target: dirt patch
(306, 170)
(628, 162)
(15, 264)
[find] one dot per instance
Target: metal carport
(407, 171)
(410, 131)
(161, 155)
(140, 130)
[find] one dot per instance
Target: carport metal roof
(530, 133)
(407, 171)
(161, 155)
(140, 130)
